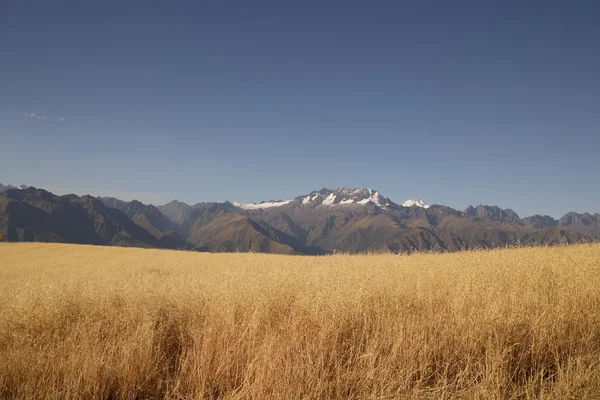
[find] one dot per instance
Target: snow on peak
(6, 187)
(335, 197)
(415, 202)
(343, 196)
(330, 199)
(260, 206)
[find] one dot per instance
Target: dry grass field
(84, 322)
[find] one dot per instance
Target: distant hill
(321, 222)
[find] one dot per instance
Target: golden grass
(83, 322)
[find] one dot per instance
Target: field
(84, 322)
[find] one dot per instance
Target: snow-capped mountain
(415, 202)
(321, 222)
(3, 187)
(260, 206)
(325, 197)
(343, 196)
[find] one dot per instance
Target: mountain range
(321, 222)
(3, 188)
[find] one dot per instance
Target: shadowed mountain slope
(321, 222)
(151, 219)
(37, 215)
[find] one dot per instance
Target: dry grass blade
(114, 323)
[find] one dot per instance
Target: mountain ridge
(320, 222)
(8, 186)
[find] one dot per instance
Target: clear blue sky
(455, 102)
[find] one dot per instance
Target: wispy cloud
(32, 115)
(35, 116)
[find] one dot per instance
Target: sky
(457, 103)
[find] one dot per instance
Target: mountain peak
(343, 196)
(415, 202)
(325, 197)
(492, 213)
(7, 187)
(262, 205)
(176, 203)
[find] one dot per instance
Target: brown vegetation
(104, 322)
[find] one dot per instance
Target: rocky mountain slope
(320, 222)
(151, 219)
(6, 187)
(37, 215)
